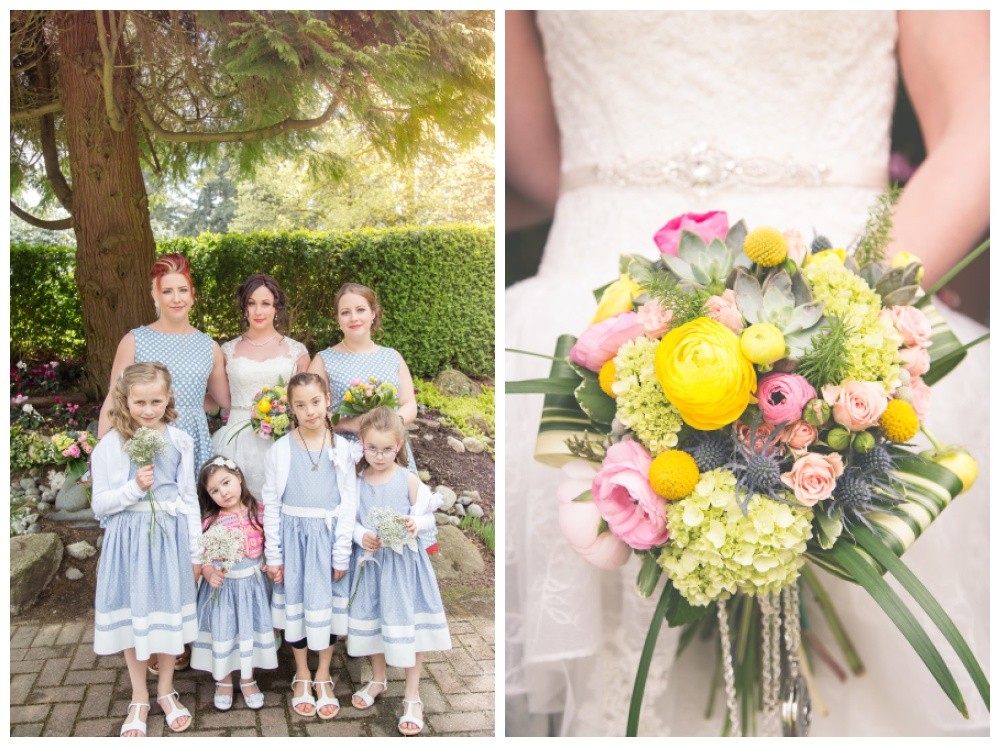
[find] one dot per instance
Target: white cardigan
(276, 465)
(113, 491)
(422, 512)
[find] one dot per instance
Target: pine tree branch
(288, 125)
(52, 225)
(191, 75)
(53, 107)
(116, 118)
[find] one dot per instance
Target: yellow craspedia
(704, 373)
(608, 376)
(766, 246)
(673, 474)
(899, 421)
(617, 298)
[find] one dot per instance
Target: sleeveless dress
(190, 360)
(234, 624)
(779, 118)
(309, 604)
(145, 591)
(246, 378)
(397, 608)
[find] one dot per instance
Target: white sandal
(178, 712)
(304, 699)
(223, 702)
(324, 700)
(365, 696)
(135, 724)
(254, 701)
(408, 718)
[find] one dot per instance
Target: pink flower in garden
(655, 319)
(712, 225)
(626, 500)
(911, 323)
(798, 435)
(920, 398)
(916, 360)
(782, 397)
(813, 477)
(19, 400)
(724, 309)
(857, 405)
(579, 521)
(599, 343)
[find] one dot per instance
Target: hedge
(435, 284)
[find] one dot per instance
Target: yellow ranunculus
(617, 298)
(902, 259)
(264, 406)
(348, 397)
(827, 255)
(704, 374)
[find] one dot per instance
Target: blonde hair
(385, 420)
(366, 293)
(138, 373)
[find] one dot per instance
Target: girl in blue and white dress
(310, 500)
(145, 600)
(234, 607)
(397, 612)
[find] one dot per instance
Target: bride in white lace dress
(780, 119)
(255, 359)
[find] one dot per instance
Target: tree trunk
(114, 240)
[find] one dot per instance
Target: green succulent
(784, 301)
(708, 266)
(897, 286)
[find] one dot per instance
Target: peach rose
(626, 500)
(916, 360)
(813, 477)
(798, 435)
(911, 323)
(599, 343)
(655, 319)
(857, 405)
(797, 248)
(920, 398)
(724, 309)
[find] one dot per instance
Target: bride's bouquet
(269, 416)
(740, 410)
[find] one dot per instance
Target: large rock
(34, 561)
(458, 557)
(72, 496)
(452, 383)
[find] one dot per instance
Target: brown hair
(169, 264)
(366, 293)
(250, 286)
(138, 373)
(306, 379)
(385, 420)
(209, 508)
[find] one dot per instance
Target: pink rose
(920, 398)
(655, 319)
(599, 343)
(798, 435)
(713, 225)
(724, 309)
(782, 397)
(580, 520)
(856, 405)
(797, 249)
(626, 500)
(760, 437)
(911, 323)
(72, 451)
(813, 477)
(82, 437)
(916, 360)
(87, 448)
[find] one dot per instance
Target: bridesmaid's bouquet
(364, 396)
(145, 445)
(269, 416)
(390, 528)
(741, 410)
(222, 547)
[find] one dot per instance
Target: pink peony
(625, 499)
(655, 319)
(783, 396)
(813, 477)
(724, 309)
(911, 323)
(856, 405)
(916, 360)
(798, 435)
(599, 343)
(797, 249)
(580, 520)
(713, 225)
(920, 398)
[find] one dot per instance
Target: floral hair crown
(223, 462)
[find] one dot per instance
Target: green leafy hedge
(435, 284)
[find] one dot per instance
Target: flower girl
(397, 590)
(143, 471)
(234, 603)
(310, 499)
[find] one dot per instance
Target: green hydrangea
(715, 551)
(641, 403)
(872, 350)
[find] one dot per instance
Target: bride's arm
(532, 136)
(944, 210)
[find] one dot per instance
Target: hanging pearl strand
(727, 668)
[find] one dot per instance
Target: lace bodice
(246, 376)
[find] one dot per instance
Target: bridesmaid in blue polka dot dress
(195, 361)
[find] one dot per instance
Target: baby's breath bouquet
(223, 547)
(145, 445)
(364, 396)
(390, 528)
(740, 410)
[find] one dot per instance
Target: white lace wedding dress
(237, 439)
(780, 119)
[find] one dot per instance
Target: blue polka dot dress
(189, 358)
(397, 608)
(309, 604)
(145, 589)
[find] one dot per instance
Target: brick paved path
(60, 688)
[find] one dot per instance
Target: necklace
(355, 352)
(261, 344)
(319, 455)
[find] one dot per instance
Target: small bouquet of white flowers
(222, 547)
(390, 528)
(145, 445)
